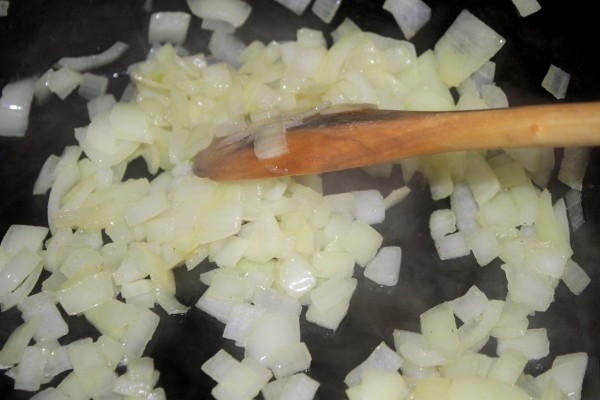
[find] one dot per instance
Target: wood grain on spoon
(352, 139)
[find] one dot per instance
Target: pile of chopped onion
(280, 245)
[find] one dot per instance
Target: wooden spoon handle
(334, 142)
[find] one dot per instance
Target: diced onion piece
(275, 301)
(465, 208)
(233, 11)
(171, 27)
(64, 81)
(382, 358)
(508, 367)
(534, 344)
(297, 387)
(422, 356)
(465, 47)
(470, 305)
(296, 6)
(219, 365)
(15, 104)
(484, 245)
(30, 369)
(573, 166)
(331, 292)
(52, 324)
(100, 104)
(41, 90)
(494, 96)
(410, 15)
(574, 209)
(575, 277)
(384, 269)
(241, 318)
(474, 333)
(370, 207)
(17, 342)
(289, 360)
(217, 25)
(527, 7)
(379, 384)
(556, 81)
(528, 287)
(226, 47)
(16, 270)
(567, 378)
(92, 85)
(270, 142)
(326, 9)
(4, 4)
(452, 246)
(442, 223)
(483, 183)
(395, 197)
(86, 63)
(271, 332)
(244, 381)
(362, 241)
(19, 237)
(438, 327)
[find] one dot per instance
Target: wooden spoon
(352, 139)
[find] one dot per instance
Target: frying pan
(36, 33)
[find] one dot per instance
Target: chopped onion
(296, 6)
(64, 81)
(556, 81)
(382, 358)
(86, 63)
(217, 25)
(575, 277)
(226, 47)
(30, 369)
(171, 27)
(534, 344)
(326, 9)
(233, 11)
(573, 166)
(92, 86)
(395, 197)
(470, 305)
(297, 387)
(4, 8)
(410, 15)
(574, 209)
(384, 269)
(370, 206)
(100, 104)
(270, 142)
(452, 246)
(527, 7)
(15, 104)
(465, 47)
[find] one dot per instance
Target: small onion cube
(508, 367)
(384, 269)
(271, 332)
(528, 287)
(395, 197)
(370, 206)
(556, 81)
(575, 277)
(17, 269)
(19, 237)
(441, 223)
(527, 7)
(452, 246)
(244, 381)
(410, 15)
(382, 358)
(379, 384)
(273, 300)
(4, 4)
(171, 27)
(30, 369)
(15, 105)
(296, 6)
(470, 305)
(226, 47)
(573, 166)
(362, 241)
(484, 245)
(92, 85)
(64, 81)
(241, 318)
(329, 318)
(574, 209)
(534, 344)
(233, 11)
(289, 360)
(326, 9)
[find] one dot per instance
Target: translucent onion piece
(171, 27)
(527, 7)
(465, 47)
(15, 104)
(30, 369)
(534, 344)
(382, 358)
(575, 277)
(92, 86)
(326, 9)
(86, 63)
(574, 209)
(384, 269)
(410, 15)
(217, 25)
(573, 166)
(270, 142)
(556, 81)
(4, 8)
(296, 6)
(226, 47)
(233, 11)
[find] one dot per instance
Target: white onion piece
(30, 370)
(527, 7)
(41, 90)
(574, 209)
(410, 15)
(52, 324)
(484, 245)
(233, 11)
(379, 384)
(470, 305)
(171, 27)
(17, 342)
(395, 197)
(226, 47)
(441, 223)
(474, 334)
(556, 81)
(92, 85)
(241, 318)
(384, 269)
(382, 357)
(100, 104)
(217, 25)
(64, 81)
(483, 183)
(362, 241)
(326, 9)
(19, 237)
(86, 63)
(244, 381)
(534, 344)
(573, 166)
(575, 277)
(465, 47)
(21, 292)
(296, 6)
(465, 208)
(15, 104)
(273, 300)
(289, 359)
(370, 206)
(295, 387)
(270, 142)
(16, 270)
(494, 96)
(4, 8)
(452, 246)
(271, 332)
